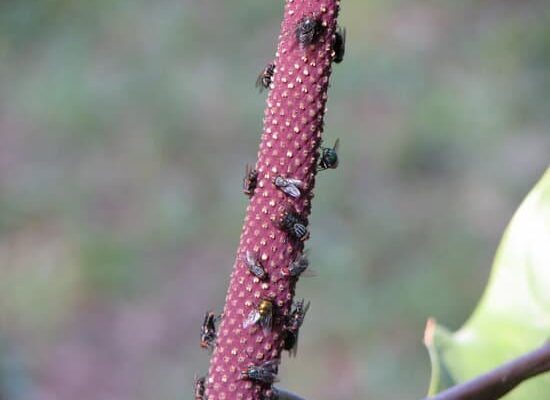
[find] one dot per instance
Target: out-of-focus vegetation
(513, 317)
(124, 130)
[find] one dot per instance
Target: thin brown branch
(286, 395)
(496, 383)
(490, 386)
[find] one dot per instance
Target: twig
(490, 386)
(496, 383)
(286, 395)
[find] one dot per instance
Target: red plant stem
(496, 383)
(293, 123)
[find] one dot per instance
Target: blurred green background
(124, 130)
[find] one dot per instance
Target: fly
(250, 180)
(265, 373)
(290, 186)
(339, 45)
(199, 388)
(329, 157)
(299, 265)
(308, 30)
(266, 77)
(292, 329)
(294, 224)
(254, 266)
(208, 330)
(261, 315)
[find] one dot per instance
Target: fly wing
(252, 318)
(246, 182)
(308, 273)
(205, 321)
(259, 82)
(266, 322)
(336, 145)
(294, 350)
(292, 191)
(343, 33)
(250, 258)
(211, 324)
(306, 307)
(295, 182)
(272, 365)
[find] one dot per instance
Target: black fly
(265, 373)
(329, 157)
(250, 180)
(208, 330)
(294, 224)
(254, 266)
(308, 30)
(299, 265)
(199, 388)
(290, 186)
(339, 45)
(292, 329)
(266, 77)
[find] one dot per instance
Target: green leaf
(513, 316)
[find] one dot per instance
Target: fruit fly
(329, 157)
(208, 330)
(254, 266)
(308, 30)
(261, 315)
(299, 265)
(289, 185)
(250, 180)
(266, 77)
(265, 373)
(294, 224)
(292, 329)
(339, 45)
(199, 388)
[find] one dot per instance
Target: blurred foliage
(124, 130)
(513, 316)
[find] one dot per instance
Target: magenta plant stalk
(289, 148)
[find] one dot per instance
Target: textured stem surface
(293, 123)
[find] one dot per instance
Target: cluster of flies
(290, 220)
(264, 315)
(307, 32)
